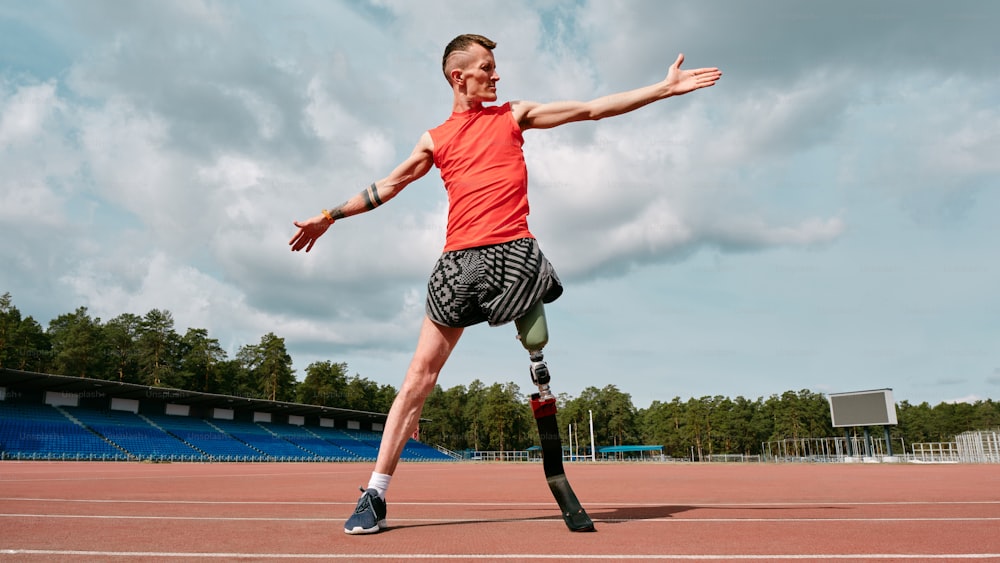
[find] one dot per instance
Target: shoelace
(365, 504)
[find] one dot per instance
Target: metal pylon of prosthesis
(540, 374)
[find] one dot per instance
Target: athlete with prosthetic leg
(492, 269)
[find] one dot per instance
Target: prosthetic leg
(534, 334)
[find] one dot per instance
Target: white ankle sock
(379, 482)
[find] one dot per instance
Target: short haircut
(462, 43)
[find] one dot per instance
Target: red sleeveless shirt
(479, 155)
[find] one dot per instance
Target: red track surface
(58, 511)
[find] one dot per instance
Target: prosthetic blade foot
(573, 514)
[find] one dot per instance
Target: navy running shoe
(369, 515)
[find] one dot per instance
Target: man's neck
(463, 104)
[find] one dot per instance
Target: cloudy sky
(824, 218)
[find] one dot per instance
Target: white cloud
(25, 112)
(968, 399)
(232, 173)
(327, 118)
(752, 233)
(125, 149)
(40, 171)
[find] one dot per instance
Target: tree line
(497, 418)
(148, 350)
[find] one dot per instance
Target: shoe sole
(358, 530)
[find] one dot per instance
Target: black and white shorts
(497, 284)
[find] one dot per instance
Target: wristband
(328, 216)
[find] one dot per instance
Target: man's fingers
(306, 236)
(301, 239)
(707, 76)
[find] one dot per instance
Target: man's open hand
(309, 231)
(684, 81)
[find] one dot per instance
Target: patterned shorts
(496, 284)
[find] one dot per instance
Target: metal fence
(935, 452)
(824, 449)
(979, 446)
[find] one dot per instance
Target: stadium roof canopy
(41, 382)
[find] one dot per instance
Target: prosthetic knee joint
(533, 333)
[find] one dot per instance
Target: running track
(59, 511)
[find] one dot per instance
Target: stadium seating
(261, 440)
(310, 441)
(44, 432)
(36, 431)
(419, 451)
(135, 435)
(200, 434)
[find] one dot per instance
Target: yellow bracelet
(328, 216)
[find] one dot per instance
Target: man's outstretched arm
(532, 115)
(381, 191)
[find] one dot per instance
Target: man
(478, 152)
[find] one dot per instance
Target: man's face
(480, 75)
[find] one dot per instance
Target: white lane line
(511, 520)
(505, 556)
(810, 504)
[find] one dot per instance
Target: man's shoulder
(426, 141)
(519, 109)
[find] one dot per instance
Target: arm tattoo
(371, 197)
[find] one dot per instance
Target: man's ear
(456, 76)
